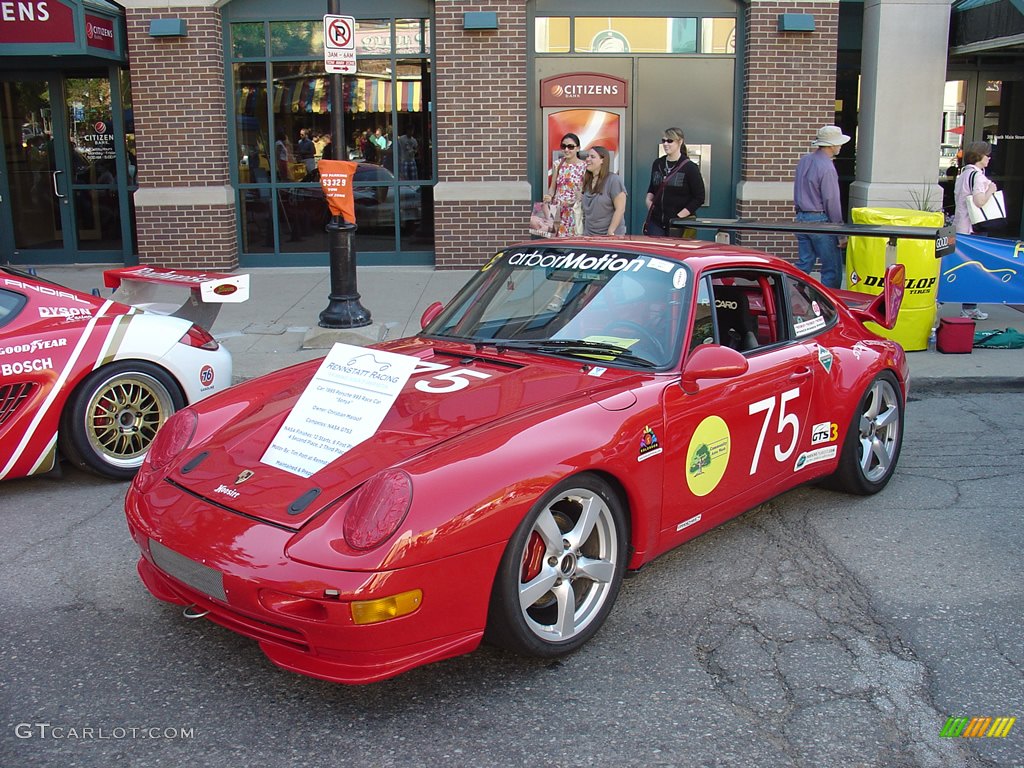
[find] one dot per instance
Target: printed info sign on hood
(342, 406)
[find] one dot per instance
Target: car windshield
(588, 302)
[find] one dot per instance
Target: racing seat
(735, 323)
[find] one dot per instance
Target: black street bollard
(343, 308)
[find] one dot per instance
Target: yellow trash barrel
(865, 270)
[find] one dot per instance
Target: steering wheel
(646, 337)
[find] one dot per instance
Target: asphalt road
(817, 630)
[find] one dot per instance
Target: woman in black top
(676, 189)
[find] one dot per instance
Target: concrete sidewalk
(277, 326)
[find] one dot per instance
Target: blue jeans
(823, 248)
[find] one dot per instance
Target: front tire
(561, 571)
(873, 440)
(113, 415)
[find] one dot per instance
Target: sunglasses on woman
(568, 146)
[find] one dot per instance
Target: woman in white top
(972, 182)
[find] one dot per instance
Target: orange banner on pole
(336, 180)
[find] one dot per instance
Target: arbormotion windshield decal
(611, 262)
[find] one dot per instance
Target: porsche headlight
(377, 509)
(172, 438)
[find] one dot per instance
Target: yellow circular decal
(708, 456)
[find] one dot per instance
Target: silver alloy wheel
(123, 415)
(568, 565)
(879, 430)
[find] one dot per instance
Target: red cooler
(955, 335)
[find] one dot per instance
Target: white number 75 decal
(455, 380)
(787, 421)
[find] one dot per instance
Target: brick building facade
(208, 194)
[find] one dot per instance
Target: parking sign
(340, 44)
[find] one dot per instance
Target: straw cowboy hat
(830, 136)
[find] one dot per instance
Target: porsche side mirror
(712, 361)
(430, 313)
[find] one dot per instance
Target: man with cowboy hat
(816, 198)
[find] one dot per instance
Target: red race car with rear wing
(92, 379)
(579, 408)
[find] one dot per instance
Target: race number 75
(787, 426)
(453, 380)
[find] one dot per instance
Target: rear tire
(111, 419)
(561, 571)
(873, 439)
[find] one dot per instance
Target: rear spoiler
(143, 286)
(883, 308)
(944, 237)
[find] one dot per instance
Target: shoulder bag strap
(661, 188)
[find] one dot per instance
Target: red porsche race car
(92, 378)
(579, 408)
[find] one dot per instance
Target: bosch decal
(26, 366)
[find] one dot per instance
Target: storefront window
(412, 36)
(283, 129)
(634, 35)
(718, 36)
(297, 38)
(551, 34)
(248, 40)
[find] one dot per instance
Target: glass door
(92, 150)
(60, 191)
(36, 213)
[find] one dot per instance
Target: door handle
(801, 373)
(56, 191)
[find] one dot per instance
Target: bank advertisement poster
(595, 127)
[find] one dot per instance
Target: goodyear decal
(33, 346)
(707, 456)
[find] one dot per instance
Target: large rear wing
(944, 237)
(148, 287)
